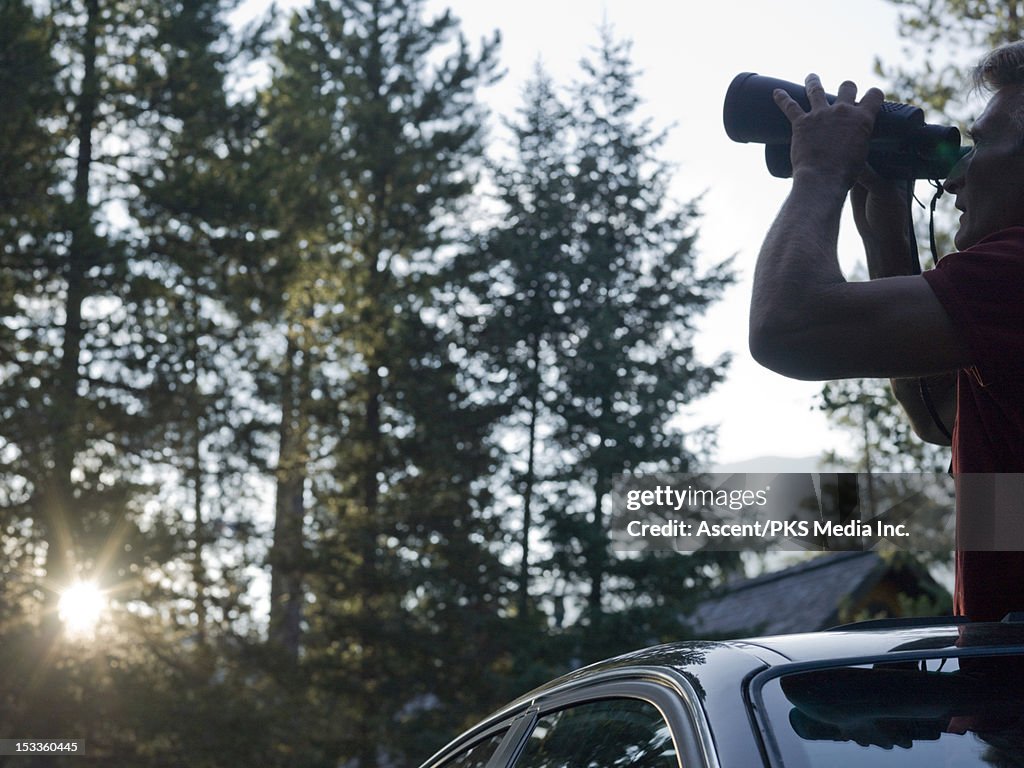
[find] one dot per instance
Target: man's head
(989, 182)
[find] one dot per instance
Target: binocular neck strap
(922, 383)
(931, 220)
(915, 259)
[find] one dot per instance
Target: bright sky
(688, 52)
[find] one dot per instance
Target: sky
(687, 53)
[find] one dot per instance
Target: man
(964, 319)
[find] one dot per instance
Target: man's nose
(958, 173)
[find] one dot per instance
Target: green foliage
(635, 294)
(254, 344)
(881, 437)
(588, 295)
(944, 40)
(374, 108)
(27, 90)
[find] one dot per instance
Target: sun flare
(81, 607)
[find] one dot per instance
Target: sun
(80, 608)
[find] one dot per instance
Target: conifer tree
(64, 407)
(374, 112)
(593, 294)
(943, 41)
(105, 378)
(194, 234)
(636, 293)
(519, 275)
(28, 152)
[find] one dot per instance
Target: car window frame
(471, 739)
(669, 691)
(626, 690)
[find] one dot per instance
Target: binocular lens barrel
(902, 145)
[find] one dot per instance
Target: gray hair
(1003, 67)
(1000, 67)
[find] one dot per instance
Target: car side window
(601, 734)
(477, 755)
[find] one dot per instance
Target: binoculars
(902, 146)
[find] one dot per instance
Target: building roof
(804, 598)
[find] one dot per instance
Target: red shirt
(982, 290)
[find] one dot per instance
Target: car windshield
(933, 712)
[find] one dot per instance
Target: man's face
(989, 182)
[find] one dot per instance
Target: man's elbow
(925, 428)
(930, 406)
(778, 350)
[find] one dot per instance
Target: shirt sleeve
(982, 290)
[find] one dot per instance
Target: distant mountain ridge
(775, 464)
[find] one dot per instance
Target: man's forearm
(806, 321)
(929, 402)
(889, 260)
(797, 263)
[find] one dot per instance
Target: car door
(642, 723)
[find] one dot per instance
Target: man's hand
(831, 139)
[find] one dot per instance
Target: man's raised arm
(806, 320)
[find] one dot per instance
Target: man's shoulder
(1002, 250)
(1010, 237)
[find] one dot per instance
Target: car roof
(716, 672)
(734, 659)
(880, 641)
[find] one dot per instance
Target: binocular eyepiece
(903, 145)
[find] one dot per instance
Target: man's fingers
(869, 177)
(785, 102)
(818, 99)
(873, 99)
(815, 91)
(847, 92)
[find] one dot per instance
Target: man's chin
(964, 239)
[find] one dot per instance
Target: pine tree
(374, 112)
(588, 309)
(944, 40)
(519, 277)
(868, 410)
(28, 152)
(195, 224)
(62, 267)
(636, 293)
(105, 388)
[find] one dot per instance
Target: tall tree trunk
(195, 468)
(597, 560)
(528, 484)
(286, 583)
(59, 493)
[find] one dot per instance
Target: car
(891, 692)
